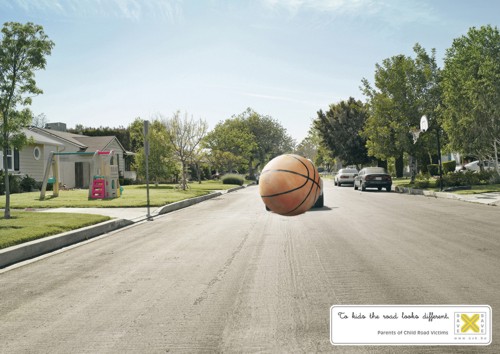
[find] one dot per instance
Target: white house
(74, 170)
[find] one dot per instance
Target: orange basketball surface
(289, 185)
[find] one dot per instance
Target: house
(74, 170)
(30, 160)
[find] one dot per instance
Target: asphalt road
(227, 276)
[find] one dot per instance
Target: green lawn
(487, 188)
(27, 226)
(133, 196)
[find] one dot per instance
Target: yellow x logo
(470, 323)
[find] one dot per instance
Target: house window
(37, 153)
(9, 159)
(11, 155)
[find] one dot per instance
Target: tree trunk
(198, 172)
(250, 168)
(413, 168)
(496, 155)
(183, 179)
(399, 166)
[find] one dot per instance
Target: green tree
(23, 48)
(339, 129)
(185, 135)
(248, 138)
(405, 89)
(471, 90)
(161, 163)
(231, 144)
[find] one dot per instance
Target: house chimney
(56, 126)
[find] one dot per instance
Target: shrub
(433, 169)
(449, 166)
(13, 184)
(467, 178)
(233, 179)
(485, 176)
(495, 178)
(456, 179)
(422, 180)
(27, 184)
(127, 181)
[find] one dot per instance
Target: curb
(186, 203)
(445, 195)
(31, 249)
(36, 248)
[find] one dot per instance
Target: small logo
(470, 323)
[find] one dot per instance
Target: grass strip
(24, 226)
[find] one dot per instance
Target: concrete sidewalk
(492, 199)
(132, 214)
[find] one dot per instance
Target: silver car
(345, 176)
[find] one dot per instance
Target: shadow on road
(325, 208)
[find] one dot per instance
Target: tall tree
(231, 144)
(339, 129)
(23, 49)
(185, 135)
(249, 138)
(471, 90)
(405, 89)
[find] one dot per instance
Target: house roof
(41, 139)
(83, 142)
(100, 143)
(65, 136)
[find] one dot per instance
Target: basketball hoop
(415, 132)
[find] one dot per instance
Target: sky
(116, 60)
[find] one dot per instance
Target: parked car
(345, 175)
(373, 177)
(475, 165)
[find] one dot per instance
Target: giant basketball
(289, 185)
